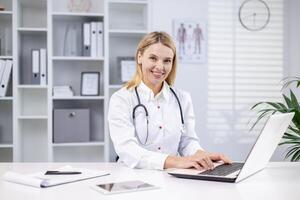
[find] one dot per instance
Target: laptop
(257, 159)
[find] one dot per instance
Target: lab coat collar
(147, 93)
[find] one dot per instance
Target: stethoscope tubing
(147, 114)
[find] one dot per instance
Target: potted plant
(291, 104)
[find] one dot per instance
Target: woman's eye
(168, 61)
(153, 58)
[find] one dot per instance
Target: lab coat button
(160, 127)
(159, 148)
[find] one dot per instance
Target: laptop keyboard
(223, 170)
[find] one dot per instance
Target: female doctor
(152, 124)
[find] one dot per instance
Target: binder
(87, 39)
(5, 78)
(93, 39)
(2, 68)
(35, 61)
(43, 65)
(99, 39)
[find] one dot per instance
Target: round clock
(254, 15)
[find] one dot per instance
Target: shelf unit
(26, 117)
(6, 103)
(30, 100)
(128, 22)
(66, 69)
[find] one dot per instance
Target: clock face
(254, 15)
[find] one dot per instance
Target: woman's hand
(200, 160)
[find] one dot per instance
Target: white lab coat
(165, 128)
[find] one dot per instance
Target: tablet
(126, 186)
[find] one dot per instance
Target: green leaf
(291, 151)
(296, 155)
(287, 101)
(262, 115)
(297, 141)
(257, 104)
(294, 100)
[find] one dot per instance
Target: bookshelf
(6, 102)
(127, 23)
(26, 117)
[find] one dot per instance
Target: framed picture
(127, 67)
(191, 39)
(90, 83)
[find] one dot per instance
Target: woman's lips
(157, 74)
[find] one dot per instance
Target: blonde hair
(148, 40)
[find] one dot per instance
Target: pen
(61, 173)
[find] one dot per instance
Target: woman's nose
(160, 64)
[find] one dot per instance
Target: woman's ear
(139, 58)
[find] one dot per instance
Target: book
(43, 180)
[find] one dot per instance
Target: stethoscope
(147, 115)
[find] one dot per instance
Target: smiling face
(156, 62)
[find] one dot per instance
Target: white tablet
(126, 186)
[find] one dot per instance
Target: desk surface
(279, 180)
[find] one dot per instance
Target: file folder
(5, 78)
(2, 68)
(35, 61)
(87, 39)
(93, 39)
(100, 39)
(43, 65)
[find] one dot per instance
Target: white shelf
(79, 98)
(29, 30)
(79, 58)
(6, 57)
(6, 98)
(78, 14)
(129, 2)
(5, 12)
(127, 32)
(33, 117)
(6, 146)
(115, 86)
(32, 87)
(78, 144)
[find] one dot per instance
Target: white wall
(193, 77)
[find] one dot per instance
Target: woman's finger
(203, 163)
(209, 162)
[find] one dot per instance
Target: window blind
(244, 67)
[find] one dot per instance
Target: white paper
(41, 180)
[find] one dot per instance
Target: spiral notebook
(41, 180)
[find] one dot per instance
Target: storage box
(71, 125)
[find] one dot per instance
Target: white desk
(277, 181)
